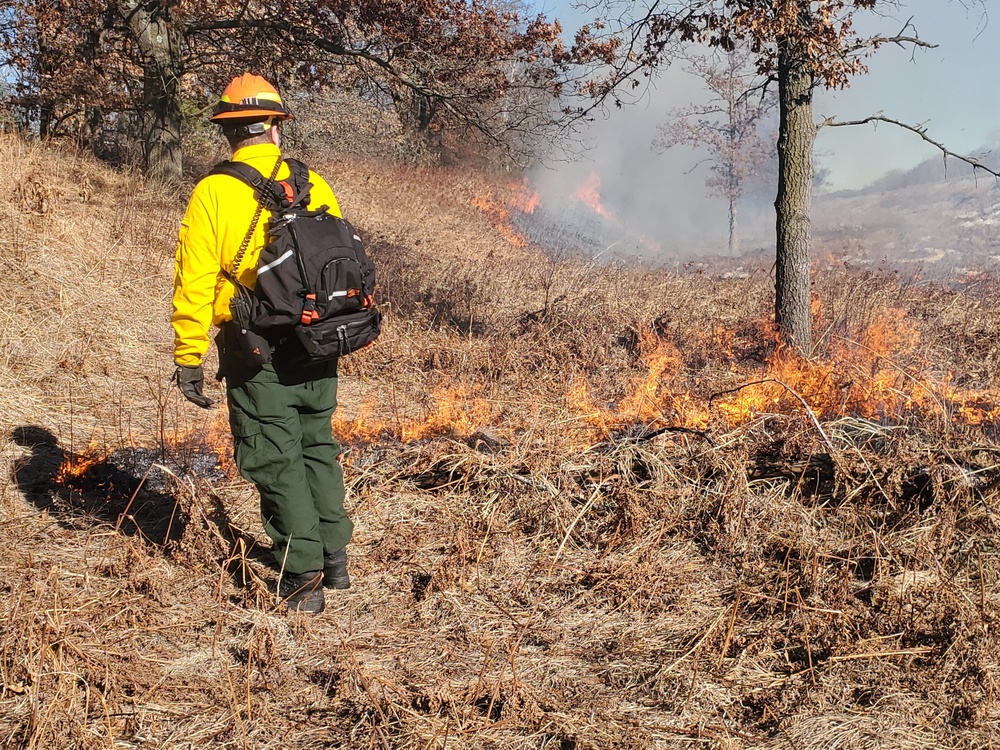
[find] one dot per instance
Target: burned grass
(596, 507)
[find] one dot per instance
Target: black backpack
(313, 276)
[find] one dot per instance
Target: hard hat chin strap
(247, 131)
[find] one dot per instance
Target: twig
(663, 430)
(915, 651)
(916, 381)
(706, 731)
(590, 501)
(809, 411)
(797, 606)
(729, 630)
(125, 513)
(701, 640)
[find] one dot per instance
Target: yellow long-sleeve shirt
(217, 219)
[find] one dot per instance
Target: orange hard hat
(248, 97)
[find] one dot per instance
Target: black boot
(335, 570)
(303, 592)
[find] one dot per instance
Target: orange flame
(589, 193)
(859, 378)
(500, 216)
(76, 465)
(650, 399)
(524, 198)
(457, 412)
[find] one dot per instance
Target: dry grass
(609, 572)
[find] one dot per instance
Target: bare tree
(727, 126)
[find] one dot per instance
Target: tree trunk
(415, 112)
(159, 41)
(44, 120)
(733, 246)
(796, 136)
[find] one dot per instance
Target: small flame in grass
(524, 198)
(457, 411)
(649, 400)
(971, 406)
(589, 193)
(173, 449)
(859, 378)
(218, 438)
(500, 216)
(76, 465)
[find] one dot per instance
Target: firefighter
(280, 412)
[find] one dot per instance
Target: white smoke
(662, 197)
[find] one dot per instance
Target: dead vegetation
(596, 506)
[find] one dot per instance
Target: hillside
(596, 506)
(926, 221)
(945, 227)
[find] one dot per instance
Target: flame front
(500, 216)
(457, 411)
(672, 387)
(859, 378)
(524, 198)
(520, 197)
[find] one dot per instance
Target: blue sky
(953, 90)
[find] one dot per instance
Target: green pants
(284, 445)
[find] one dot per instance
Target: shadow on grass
(138, 492)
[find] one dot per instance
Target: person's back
(279, 410)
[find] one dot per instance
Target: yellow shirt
(217, 219)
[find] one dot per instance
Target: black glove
(190, 380)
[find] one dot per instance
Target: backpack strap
(266, 193)
(299, 180)
(266, 190)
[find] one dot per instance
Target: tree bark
(732, 227)
(796, 136)
(159, 40)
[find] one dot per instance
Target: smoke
(658, 203)
(662, 207)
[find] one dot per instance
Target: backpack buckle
(309, 313)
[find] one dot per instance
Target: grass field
(597, 506)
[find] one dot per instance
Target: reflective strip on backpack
(264, 269)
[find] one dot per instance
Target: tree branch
(919, 130)
(902, 40)
(338, 49)
(902, 37)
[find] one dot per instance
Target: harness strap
(254, 179)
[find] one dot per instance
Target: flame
(76, 465)
(970, 406)
(215, 437)
(523, 197)
(858, 378)
(457, 412)
(500, 216)
(650, 399)
(589, 193)
(218, 438)
(861, 376)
